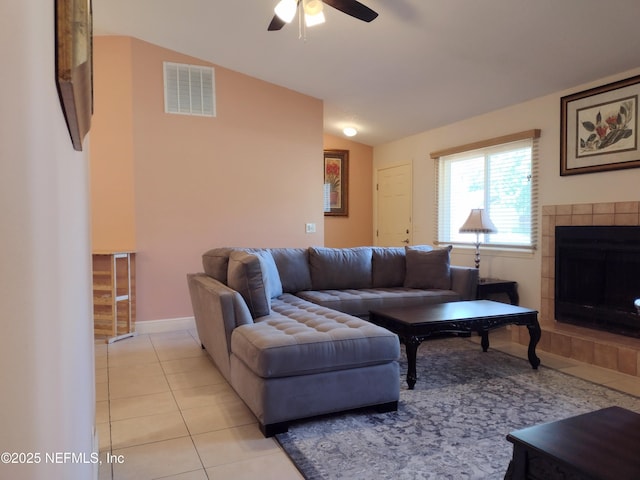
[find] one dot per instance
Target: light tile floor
(163, 411)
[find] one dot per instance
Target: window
(499, 177)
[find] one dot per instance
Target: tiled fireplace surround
(590, 346)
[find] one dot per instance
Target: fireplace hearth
(597, 277)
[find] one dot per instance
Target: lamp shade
(478, 222)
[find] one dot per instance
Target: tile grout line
(204, 469)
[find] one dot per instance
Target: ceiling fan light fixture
(312, 20)
(286, 10)
(312, 7)
(313, 14)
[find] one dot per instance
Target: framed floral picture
(336, 182)
(599, 128)
(74, 65)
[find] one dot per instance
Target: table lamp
(478, 222)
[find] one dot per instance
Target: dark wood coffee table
(415, 324)
(599, 445)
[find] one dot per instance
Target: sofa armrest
(464, 281)
(218, 310)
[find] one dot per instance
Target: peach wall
(112, 189)
(357, 228)
(249, 177)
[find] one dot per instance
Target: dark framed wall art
(74, 65)
(336, 182)
(599, 128)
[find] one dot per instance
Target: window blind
(501, 178)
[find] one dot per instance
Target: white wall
(542, 113)
(47, 404)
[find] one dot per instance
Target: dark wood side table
(600, 445)
(489, 286)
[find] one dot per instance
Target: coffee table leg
(484, 340)
(534, 338)
(411, 347)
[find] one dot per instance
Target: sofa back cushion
(293, 267)
(428, 269)
(340, 268)
(255, 276)
(388, 267)
(268, 265)
(216, 263)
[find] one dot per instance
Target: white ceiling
(420, 65)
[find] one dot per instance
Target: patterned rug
(453, 425)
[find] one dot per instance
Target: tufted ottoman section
(302, 338)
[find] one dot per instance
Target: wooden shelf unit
(114, 295)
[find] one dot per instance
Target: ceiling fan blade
(276, 24)
(353, 8)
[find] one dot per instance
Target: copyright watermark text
(24, 458)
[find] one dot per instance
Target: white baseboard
(165, 325)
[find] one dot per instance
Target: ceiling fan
(286, 9)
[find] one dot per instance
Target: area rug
(453, 425)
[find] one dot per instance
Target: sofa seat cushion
(360, 302)
(301, 338)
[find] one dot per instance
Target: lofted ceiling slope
(420, 65)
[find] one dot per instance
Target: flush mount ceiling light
(350, 131)
(285, 11)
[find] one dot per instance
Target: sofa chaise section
(305, 360)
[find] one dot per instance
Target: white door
(394, 206)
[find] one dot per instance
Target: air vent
(189, 90)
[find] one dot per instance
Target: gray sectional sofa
(287, 326)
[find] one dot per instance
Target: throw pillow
(269, 268)
(428, 269)
(251, 275)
